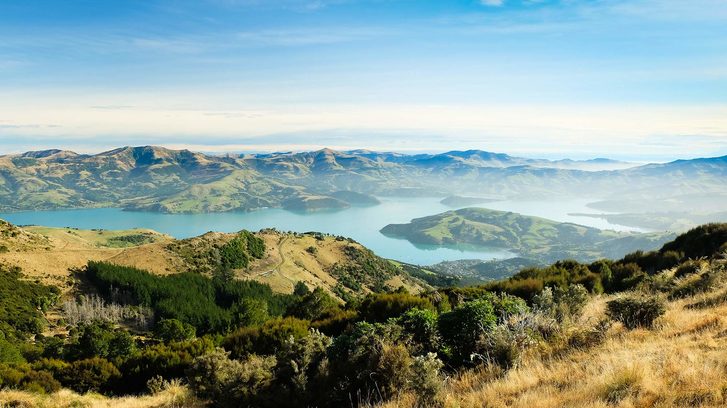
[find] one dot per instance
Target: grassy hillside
(339, 265)
(644, 330)
(531, 237)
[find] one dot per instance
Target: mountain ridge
(154, 178)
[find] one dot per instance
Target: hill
(531, 237)
(150, 178)
(336, 264)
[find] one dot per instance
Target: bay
(360, 223)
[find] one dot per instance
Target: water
(360, 223)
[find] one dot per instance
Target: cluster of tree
(22, 304)
(211, 305)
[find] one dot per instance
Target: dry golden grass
(174, 396)
(49, 254)
(680, 363)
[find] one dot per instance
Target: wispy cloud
(492, 3)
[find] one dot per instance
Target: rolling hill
(150, 178)
(531, 237)
(336, 264)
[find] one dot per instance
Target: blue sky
(638, 79)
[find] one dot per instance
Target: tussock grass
(680, 362)
(173, 396)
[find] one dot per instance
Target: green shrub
(266, 339)
(314, 305)
(335, 322)
(421, 325)
(624, 276)
(100, 339)
(702, 241)
(636, 311)
(366, 362)
(22, 303)
(301, 363)
(249, 312)
(231, 383)
(462, 327)
(92, 374)
(9, 352)
(168, 330)
(168, 360)
(383, 306)
(562, 304)
(300, 289)
(40, 380)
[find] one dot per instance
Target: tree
(314, 306)
(301, 289)
(249, 312)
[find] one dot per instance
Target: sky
(628, 79)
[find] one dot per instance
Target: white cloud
(492, 3)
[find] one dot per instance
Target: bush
(92, 374)
(22, 303)
(380, 307)
(688, 268)
(562, 304)
(314, 305)
(169, 361)
(702, 241)
(365, 362)
(173, 330)
(426, 381)
(624, 276)
(100, 340)
(462, 327)
(636, 311)
(266, 339)
(40, 380)
(231, 383)
(301, 363)
(421, 326)
(336, 322)
(9, 353)
(249, 312)
(188, 297)
(694, 284)
(300, 289)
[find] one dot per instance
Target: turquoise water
(360, 223)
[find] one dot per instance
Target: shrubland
(645, 330)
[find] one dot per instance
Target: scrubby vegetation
(236, 343)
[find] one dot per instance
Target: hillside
(530, 237)
(681, 362)
(337, 264)
(150, 178)
(645, 330)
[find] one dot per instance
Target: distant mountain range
(153, 178)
